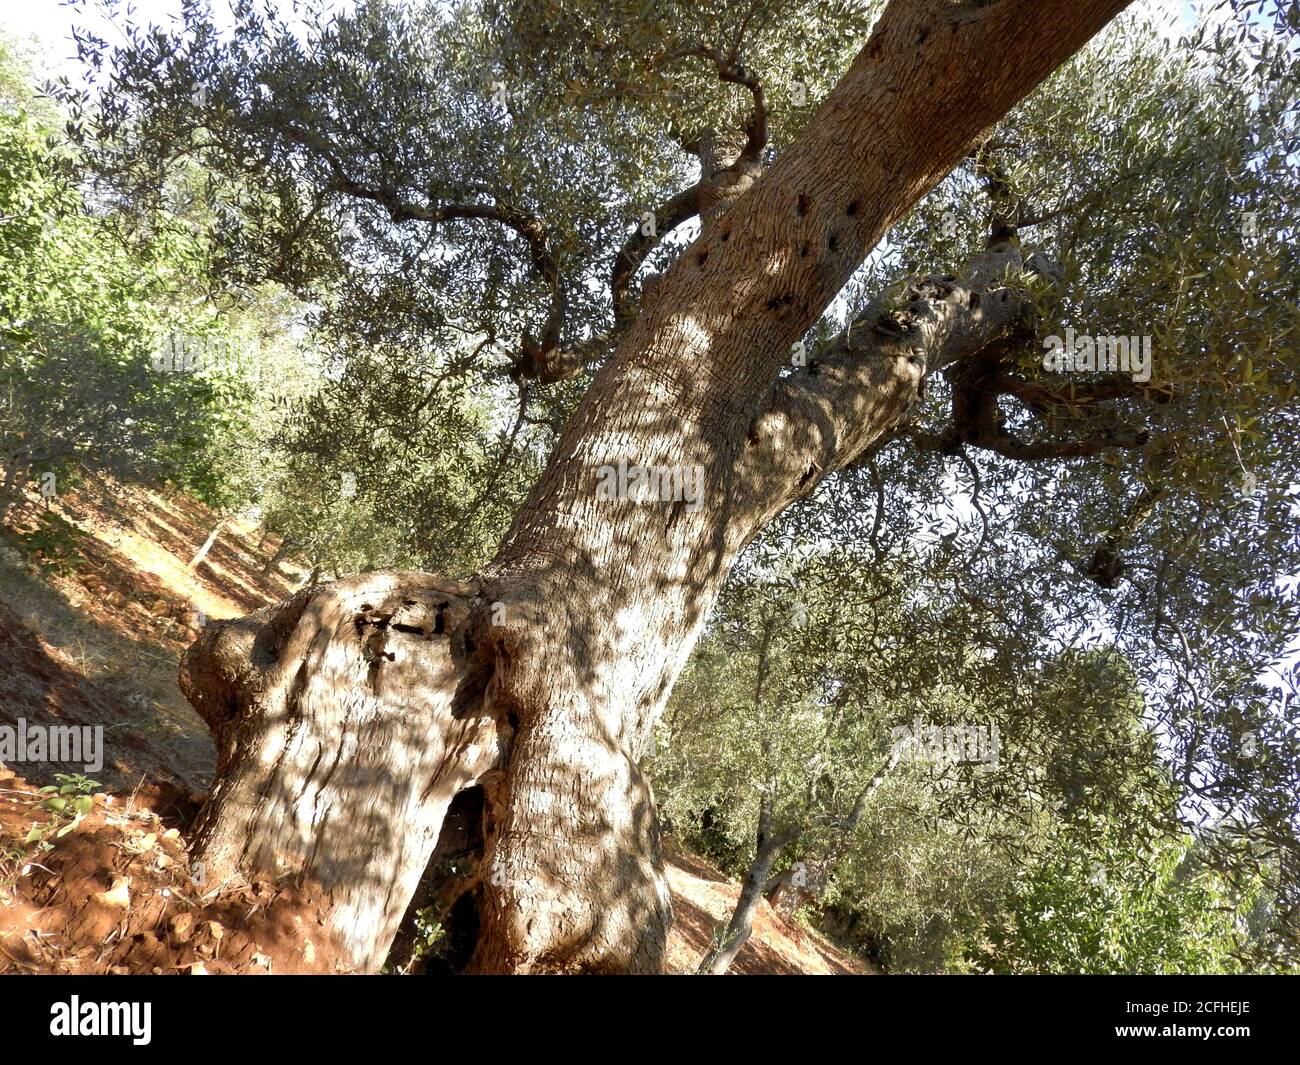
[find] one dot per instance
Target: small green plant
(72, 791)
(1103, 903)
(11, 861)
(53, 543)
(430, 940)
(431, 937)
(69, 800)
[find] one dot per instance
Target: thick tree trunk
(347, 718)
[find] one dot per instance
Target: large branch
(860, 389)
(539, 357)
(998, 439)
(729, 166)
(676, 211)
(731, 69)
(714, 187)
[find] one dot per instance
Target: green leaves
(1101, 904)
(86, 300)
(70, 800)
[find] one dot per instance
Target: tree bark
(347, 718)
(345, 724)
(767, 846)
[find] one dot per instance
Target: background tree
(1112, 905)
(800, 736)
(85, 313)
(776, 734)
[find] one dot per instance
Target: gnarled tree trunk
(348, 718)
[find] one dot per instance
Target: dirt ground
(91, 628)
(703, 896)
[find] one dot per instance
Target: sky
(50, 20)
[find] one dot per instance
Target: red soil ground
(97, 644)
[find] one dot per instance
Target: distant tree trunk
(786, 892)
(207, 544)
(7, 495)
(347, 718)
(726, 945)
(286, 545)
(782, 892)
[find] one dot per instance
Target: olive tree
(506, 175)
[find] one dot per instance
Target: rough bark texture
(341, 742)
(542, 681)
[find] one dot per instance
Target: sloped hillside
(98, 598)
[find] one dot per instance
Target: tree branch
(539, 359)
(678, 210)
(730, 69)
(997, 439)
(722, 182)
(860, 389)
